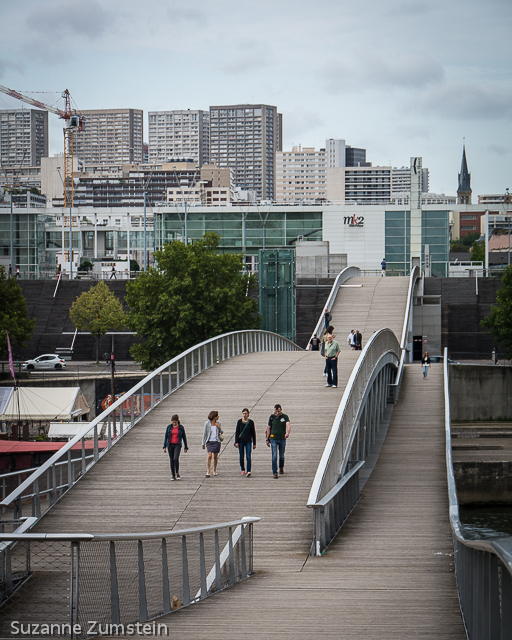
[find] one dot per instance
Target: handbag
(221, 437)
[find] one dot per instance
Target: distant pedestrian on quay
(212, 438)
(174, 438)
(18, 274)
(327, 318)
(425, 363)
(383, 267)
(245, 440)
(350, 339)
(358, 341)
(113, 273)
(332, 351)
(277, 433)
(10, 272)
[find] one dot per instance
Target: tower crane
(73, 122)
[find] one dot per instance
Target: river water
(486, 522)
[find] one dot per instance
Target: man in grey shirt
(332, 350)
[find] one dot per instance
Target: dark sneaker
(276, 476)
(281, 471)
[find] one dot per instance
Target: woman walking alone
(174, 437)
(245, 436)
(212, 437)
(425, 361)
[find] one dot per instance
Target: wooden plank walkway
(389, 574)
(382, 578)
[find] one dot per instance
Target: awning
(71, 429)
(45, 404)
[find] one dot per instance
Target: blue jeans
(332, 370)
(245, 448)
(425, 370)
(275, 445)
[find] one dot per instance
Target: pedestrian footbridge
(111, 539)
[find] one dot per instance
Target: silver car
(46, 361)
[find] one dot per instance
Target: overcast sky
(400, 78)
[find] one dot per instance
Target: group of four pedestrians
(277, 432)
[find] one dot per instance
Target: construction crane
(74, 122)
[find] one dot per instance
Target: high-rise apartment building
(401, 180)
(246, 137)
(23, 137)
(110, 136)
(340, 154)
(179, 135)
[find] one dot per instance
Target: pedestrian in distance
(332, 350)
(358, 341)
(245, 440)
(212, 438)
(18, 274)
(175, 436)
(327, 318)
(383, 267)
(276, 435)
(425, 363)
(328, 331)
(10, 272)
(314, 343)
(350, 340)
(113, 273)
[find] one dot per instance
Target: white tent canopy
(45, 404)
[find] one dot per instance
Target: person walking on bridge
(212, 437)
(174, 437)
(278, 431)
(425, 363)
(245, 440)
(332, 350)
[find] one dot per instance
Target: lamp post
(12, 238)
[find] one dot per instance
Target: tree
(478, 252)
(98, 311)
(86, 265)
(195, 294)
(13, 314)
(499, 322)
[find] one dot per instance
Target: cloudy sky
(400, 78)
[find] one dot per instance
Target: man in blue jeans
(278, 431)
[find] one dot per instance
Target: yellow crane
(73, 122)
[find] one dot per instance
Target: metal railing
(85, 584)
(343, 276)
(483, 568)
(335, 488)
(405, 339)
(58, 474)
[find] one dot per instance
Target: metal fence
(335, 492)
(483, 568)
(44, 487)
(82, 585)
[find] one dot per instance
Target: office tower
(246, 137)
(110, 136)
(23, 137)
(177, 135)
(355, 157)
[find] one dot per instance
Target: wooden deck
(388, 575)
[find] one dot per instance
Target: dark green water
(486, 522)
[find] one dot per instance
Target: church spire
(464, 191)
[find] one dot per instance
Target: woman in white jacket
(212, 437)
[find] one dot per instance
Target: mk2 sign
(354, 221)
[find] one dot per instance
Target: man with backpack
(278, 431)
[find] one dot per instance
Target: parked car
(46, 361)
(441, 359)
